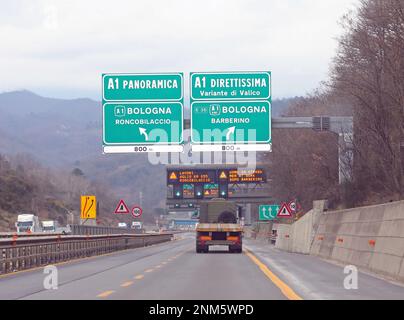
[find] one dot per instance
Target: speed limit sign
(292, 206)
(137, 211)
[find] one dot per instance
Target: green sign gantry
(268, 212)
(142, 112)
(231, 108)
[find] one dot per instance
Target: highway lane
(166, 271)
(28, 283)
(174, 271)
(316, 279)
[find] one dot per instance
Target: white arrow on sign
(269, 216)
(229, 132)
(143, 131)
(264, 213)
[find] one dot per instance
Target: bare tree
(369, 70)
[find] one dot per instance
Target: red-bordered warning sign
(137, 211)
(294, 206)
(284, 211)
(122, 208)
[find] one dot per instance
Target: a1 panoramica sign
(231, 111)
(142, 112)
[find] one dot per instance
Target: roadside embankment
(371, 237)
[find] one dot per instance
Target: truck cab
(28, 223)
(137, 226)
(49, 226)
(122, 225)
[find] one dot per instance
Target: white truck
(50, 226)
(122, 225)
(28, 223)
(136, 225)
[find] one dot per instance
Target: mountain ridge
(67, 133)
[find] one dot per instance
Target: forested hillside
(366, 82)
(27, 187)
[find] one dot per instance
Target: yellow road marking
(140, 276)
(105, 294)
(149, 270)
(286, 290)
(126, 284)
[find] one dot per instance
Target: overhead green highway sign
(143, 123)
(268, 212)
(231, 111)
(230, 85)
(142, 112)
(231, 122)
(142, 87)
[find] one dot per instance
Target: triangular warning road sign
(284, 211)
(122, 208)
(173, 176)
(223, 175)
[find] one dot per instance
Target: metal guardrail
(28, 252)
(75, 229)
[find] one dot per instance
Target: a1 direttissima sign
(231, 111)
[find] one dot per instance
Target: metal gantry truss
(342, 126)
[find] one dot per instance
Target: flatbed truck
(219, 224)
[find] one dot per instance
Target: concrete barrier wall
(368, 237)
(283, 240)
(298, 237)
(264, 230)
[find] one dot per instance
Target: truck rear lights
(205, 238)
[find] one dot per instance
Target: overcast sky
(60, 48)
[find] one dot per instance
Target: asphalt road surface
(174, 271)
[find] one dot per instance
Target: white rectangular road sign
(232, 147)
(142, 149)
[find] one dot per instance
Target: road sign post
(142, 112)
(231, 111)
